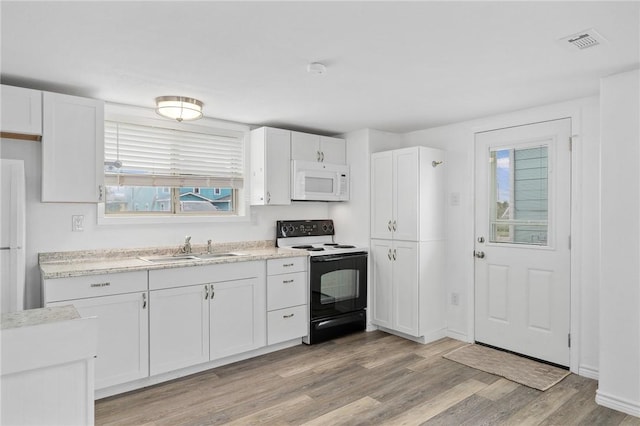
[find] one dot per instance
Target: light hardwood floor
(362, 379)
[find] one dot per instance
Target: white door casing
(522, 248)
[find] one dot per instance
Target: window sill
(124, 219)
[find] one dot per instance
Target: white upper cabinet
(407, 194)
(270, 166)
(72, 149)
(21, 110)
(309, 147)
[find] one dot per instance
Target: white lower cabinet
(179, 322)
(123, 322)
(206, 313)
(287, 300)
(406, 293)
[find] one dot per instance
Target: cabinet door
(21, 110)
(381, 283)
(406, 194)
(381, 194)
(278, 167)
(72, 148)
(179, 324)
(238, 317)
(405, 288)
(270, 166)
(333, 150)
(123, 336)
(305, 146)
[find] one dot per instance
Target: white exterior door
(522, 248)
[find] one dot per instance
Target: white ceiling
(394, 66)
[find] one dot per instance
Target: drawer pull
(144, 300)
(98, 285)
(287, 316)
(287, 265)
(287, 281)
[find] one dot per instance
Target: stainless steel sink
(205, 256)
(170, 259)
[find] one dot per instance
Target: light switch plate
(77, 223)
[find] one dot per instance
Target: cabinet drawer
(286, 290)
(286, 324)
(94, 285)
(286, 265)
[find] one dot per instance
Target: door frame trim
(537, 115)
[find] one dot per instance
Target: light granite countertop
(40, 316)
(93, 262)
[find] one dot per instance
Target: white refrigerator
(12, 235)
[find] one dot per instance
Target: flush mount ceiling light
(179, 108)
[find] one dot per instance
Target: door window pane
(519, 196)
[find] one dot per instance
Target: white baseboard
(458, 336)
(588, 372)
(427, 338)
(154, 380)
(619, 404)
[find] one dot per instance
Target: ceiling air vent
(582, 40)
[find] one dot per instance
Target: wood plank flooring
(362, 379)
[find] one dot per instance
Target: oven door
(338, 284)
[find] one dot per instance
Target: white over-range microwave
(315, 181)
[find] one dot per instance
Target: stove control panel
(304, 228)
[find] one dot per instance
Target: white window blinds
(139, 155)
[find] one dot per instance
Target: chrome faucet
(209, 246)
(186, 248)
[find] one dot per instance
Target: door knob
(479, 254)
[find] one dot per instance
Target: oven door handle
(333, 258)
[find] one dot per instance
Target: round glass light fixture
(179, 108)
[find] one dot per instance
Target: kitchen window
(157, 169)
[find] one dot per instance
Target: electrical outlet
(455, 299)
(77, 223)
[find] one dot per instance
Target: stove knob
(325, 228)
(331, 228)
(283, 230)
(291, 228)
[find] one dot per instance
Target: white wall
(457, 140)
(619, 384)
(49, 224)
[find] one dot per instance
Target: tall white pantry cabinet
(407, 242)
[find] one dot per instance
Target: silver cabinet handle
(99, 285)
(206, 292)
(322, 156)
(287, 316)
(395, 227)
(318, 156)
(268, 197)
(394, 254)
(287, 265)
(100, 193)
(287, 281)
(389, 225)
(389, 254)
(144, 300)
(213, 293)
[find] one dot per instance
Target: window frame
(148, 117)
